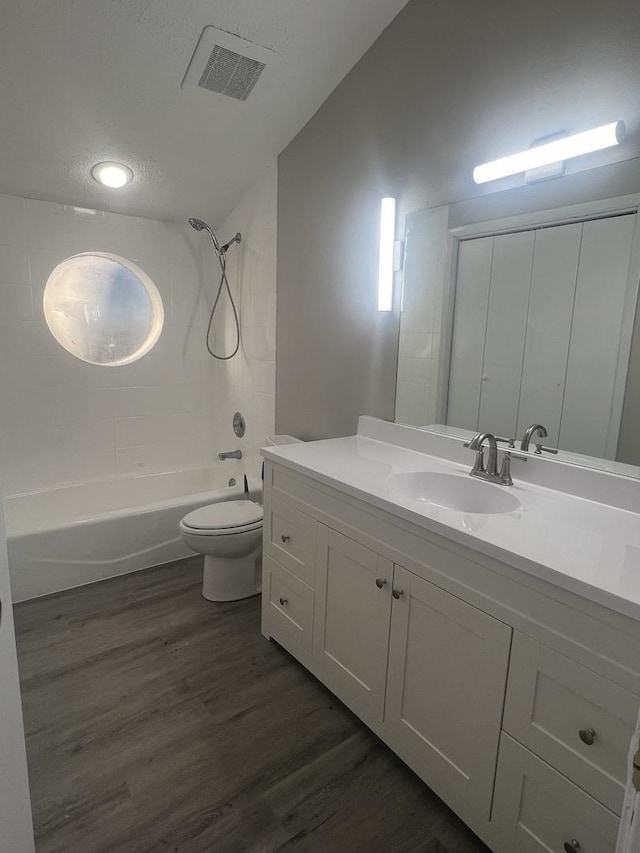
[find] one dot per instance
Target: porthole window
(103, 309)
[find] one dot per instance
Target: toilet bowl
(229, 534)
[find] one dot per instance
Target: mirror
(525, 317)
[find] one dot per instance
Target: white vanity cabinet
(513, 699)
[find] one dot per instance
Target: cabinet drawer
(290, 602)
(575, 720)
(290, 537)
(539, 811)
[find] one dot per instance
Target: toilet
(229, 534)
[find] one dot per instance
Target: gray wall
(446, 86)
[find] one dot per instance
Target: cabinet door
(351, 622)
(445, 692)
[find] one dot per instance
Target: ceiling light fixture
(112, 175)
(552, 152)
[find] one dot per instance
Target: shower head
(199, 225)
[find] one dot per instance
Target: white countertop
(587, 547)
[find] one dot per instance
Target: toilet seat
(224, 518)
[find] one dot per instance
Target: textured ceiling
(89, 80)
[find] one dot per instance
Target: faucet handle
(478, 465)
(540, 448)
(505, 470)
(510, 441)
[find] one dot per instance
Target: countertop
(579, 544)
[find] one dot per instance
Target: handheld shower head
(200, 225)
(221, 254)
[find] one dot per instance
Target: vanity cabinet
(514, 700)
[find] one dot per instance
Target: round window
(103, 309)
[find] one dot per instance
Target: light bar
(551, 152)
(385, 266)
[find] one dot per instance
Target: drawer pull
(571, 846)
(380, 582)
(285, 538)
(283, 601)
(587, 736)
(397, 593)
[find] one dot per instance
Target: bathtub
(80, 533)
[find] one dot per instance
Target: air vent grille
(229, 65)
(230, 73)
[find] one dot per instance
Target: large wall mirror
(526, 319)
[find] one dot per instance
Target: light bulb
(112, 175)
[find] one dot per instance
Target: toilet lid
(225, 514)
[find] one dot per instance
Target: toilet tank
(283, 439)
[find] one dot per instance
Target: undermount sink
(452, 491)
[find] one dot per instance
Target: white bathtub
(77, 534)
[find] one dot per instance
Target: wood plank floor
(158, 721)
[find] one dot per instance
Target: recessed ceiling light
(113, 175)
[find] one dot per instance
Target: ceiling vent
(229, 65)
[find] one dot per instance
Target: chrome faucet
(490, 470)
(479, 469)
(230, 454)
(529, 433)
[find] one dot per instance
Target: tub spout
(230, 454)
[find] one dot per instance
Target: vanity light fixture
(551, 152)
(385, 265)
(112, 175)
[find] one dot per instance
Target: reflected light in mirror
(385, 266)
(552, 152)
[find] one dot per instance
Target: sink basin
(452, 491)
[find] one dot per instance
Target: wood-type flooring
(158, 721)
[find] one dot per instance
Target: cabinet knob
(587, 736)
(397, 593)
(285, 538)
(571, 846)
(380, 582)
(283, 601)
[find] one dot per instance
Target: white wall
(64, 420)
(246, 383)
(445, 87)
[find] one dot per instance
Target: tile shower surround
(63, 420)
